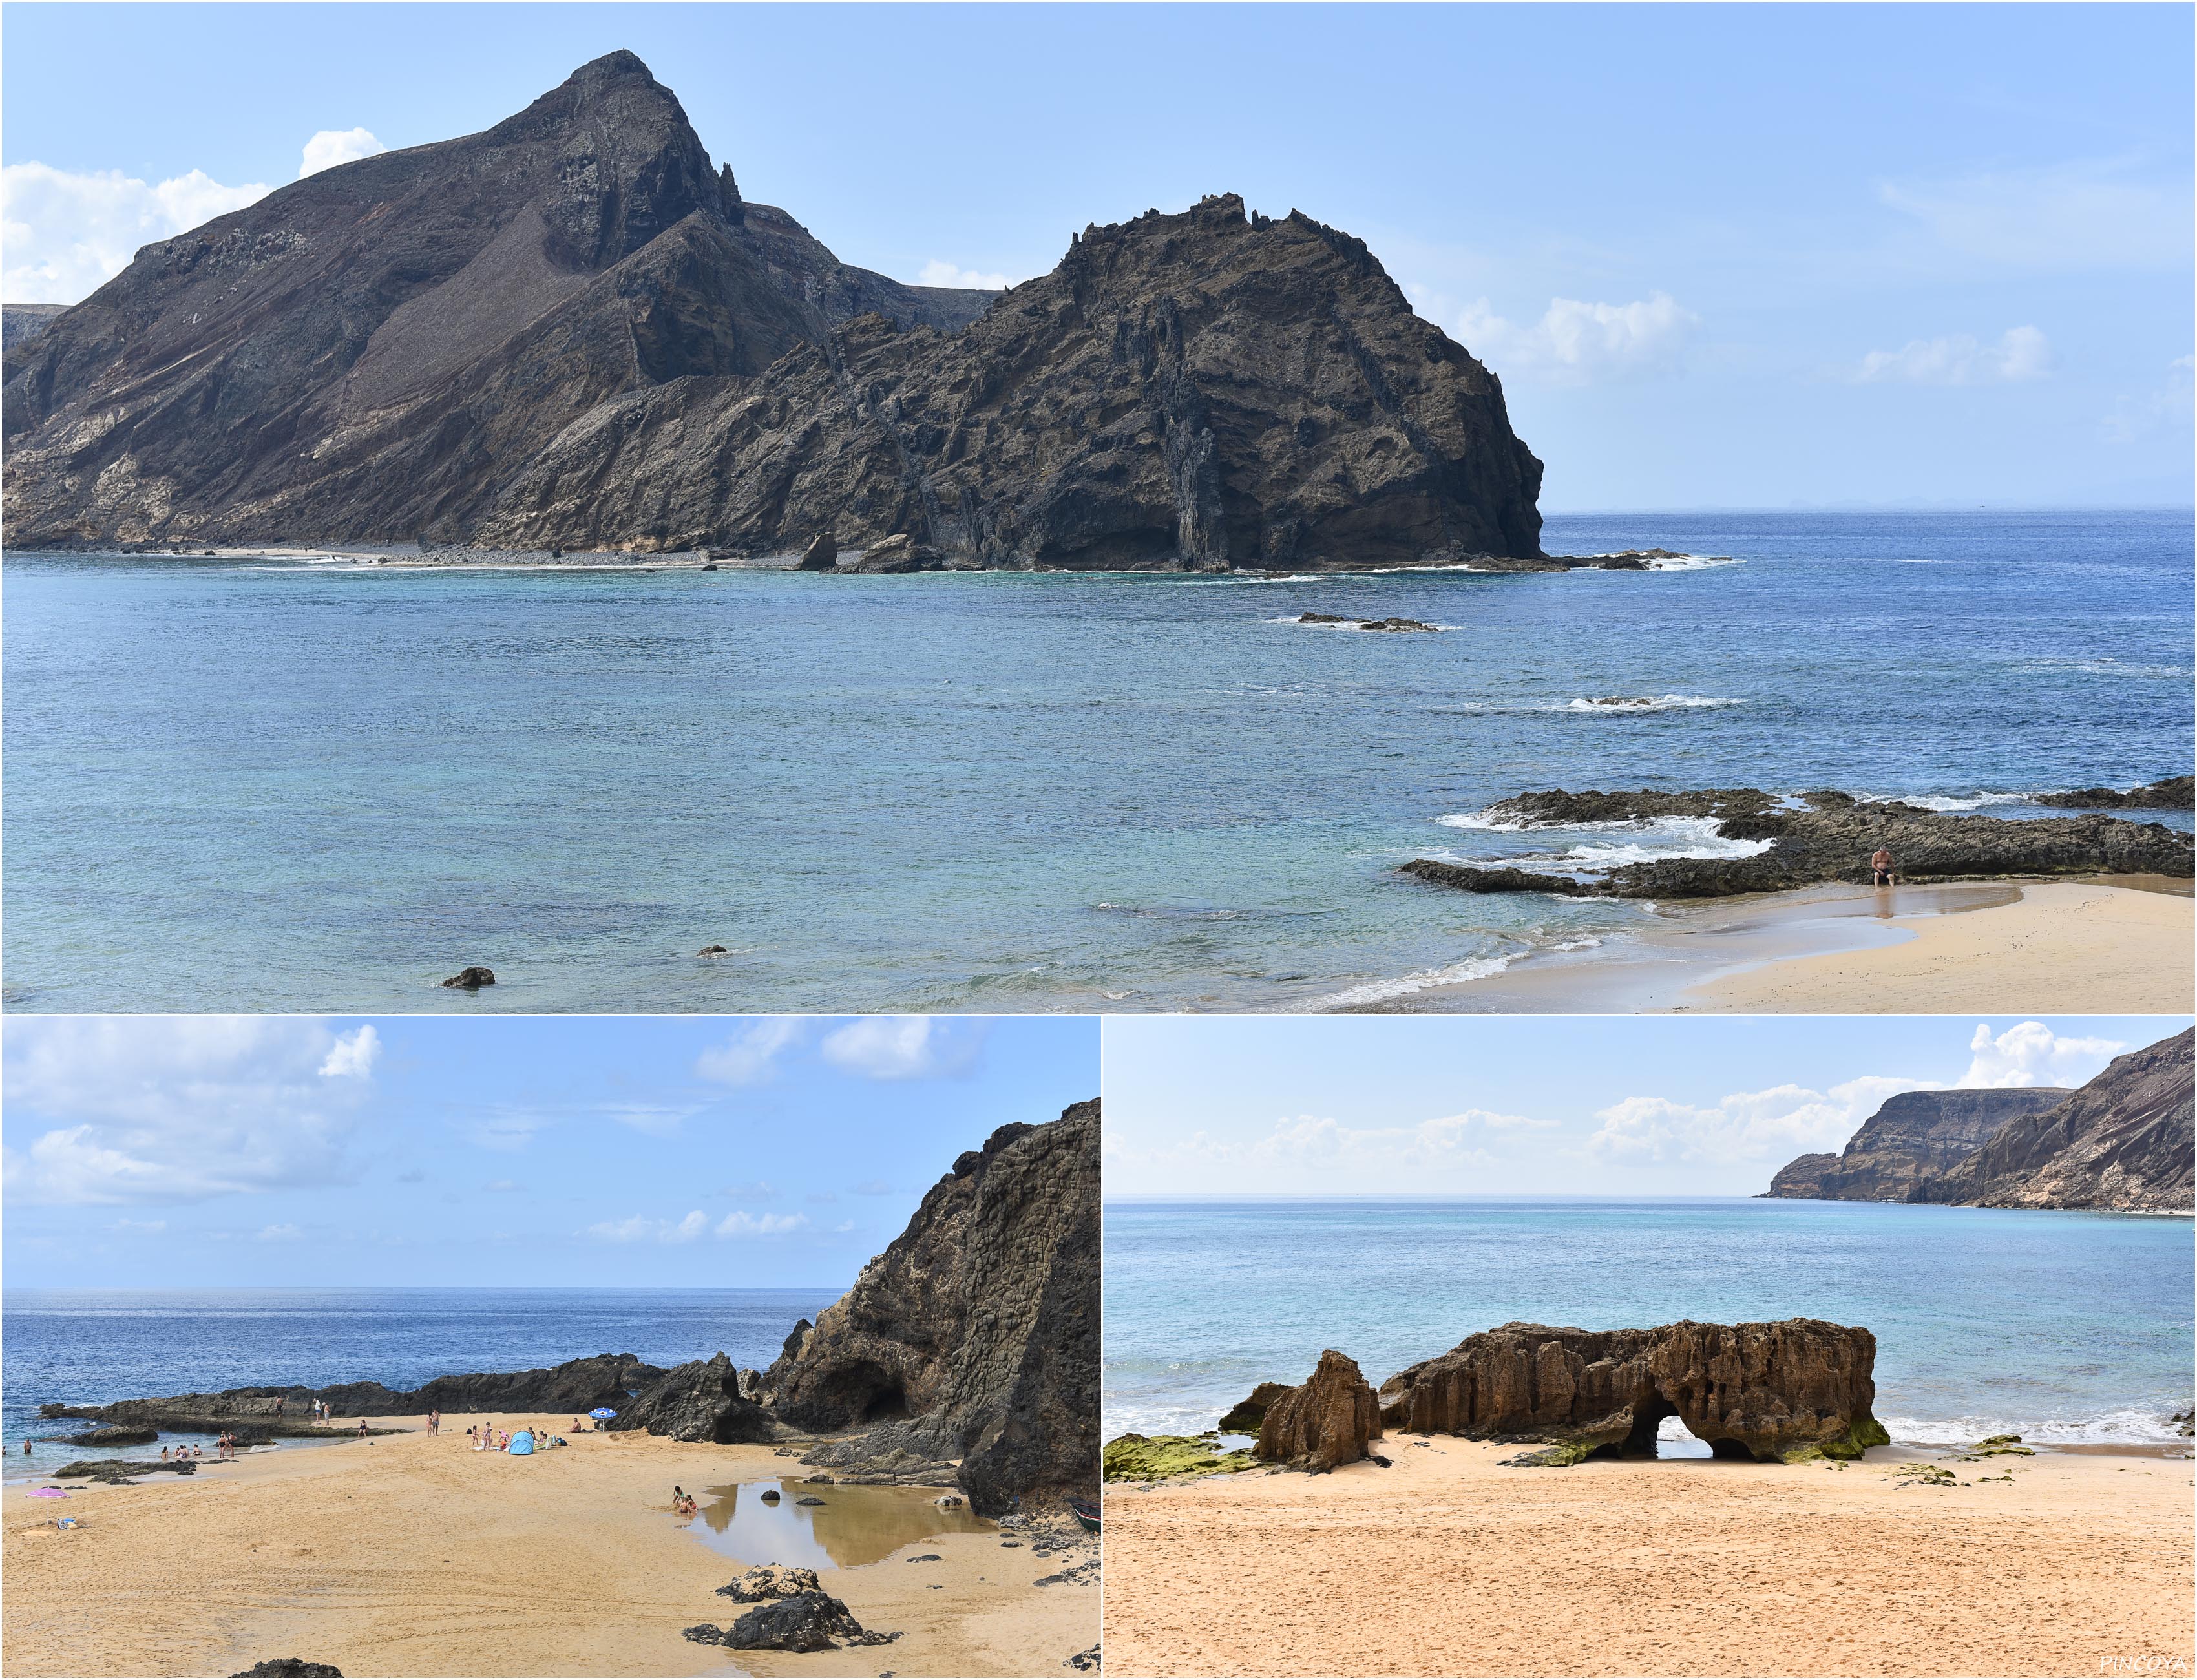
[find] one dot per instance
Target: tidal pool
(853, 1526)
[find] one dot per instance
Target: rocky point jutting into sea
(571, 332)
(966, 1354)
(2126, 1141)
(1803, 839)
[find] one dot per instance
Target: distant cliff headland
(2125, 1141)
(572, 332)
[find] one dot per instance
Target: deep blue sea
(89, 1346)
(237, 786)
(2064, 1327)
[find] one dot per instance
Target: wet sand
(2123, 944)
(412, 1554)
(1450, 1565)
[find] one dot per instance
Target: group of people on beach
(180, 1454)
(682, 1501)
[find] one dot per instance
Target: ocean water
(260, 786)
(91, 1346)
(2066, 1328)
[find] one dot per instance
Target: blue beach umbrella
(602, 1411)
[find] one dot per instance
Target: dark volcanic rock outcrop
(288, 1668)
(21, 322)
(803, 1621)
(1815, 837)
(1207, 388)
(371, 352)
(1789, 1390)
(2125, 1140)
(2174, 793)
(1915, 1137)
(1332, 1418)
(975, 1335)
(570, 332)
(576, 1385)
(1249, 1412)
(698, 1401)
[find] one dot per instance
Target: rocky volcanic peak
(1825, 836)
(2125, 1140)
(1207, 388)
(369, 353)
(1914, 1138)
(975, 1335)
(1797, 1389)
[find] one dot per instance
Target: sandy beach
(412, 1554)
(2084, 947)
(1447, 1564)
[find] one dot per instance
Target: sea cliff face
(974, 1337)
(2125, 1141)
(571, 332)
(1917, 1136)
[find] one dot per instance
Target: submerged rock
(1329, 1420)
(1795, 1390)
(472, 979)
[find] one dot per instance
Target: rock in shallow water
(472, 979)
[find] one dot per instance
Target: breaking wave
(1660, 840)
(2131, 1426)
(1380, 991)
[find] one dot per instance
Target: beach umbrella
(48, 1494)
(602, 1411)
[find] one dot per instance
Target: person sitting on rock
(1880, 867)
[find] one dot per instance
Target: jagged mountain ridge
(568, 331)
(363, 354)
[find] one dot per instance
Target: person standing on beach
(1880, 866)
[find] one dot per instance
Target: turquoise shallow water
(260, 787)
(2067, 1327)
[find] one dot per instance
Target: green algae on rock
(1169, 1458)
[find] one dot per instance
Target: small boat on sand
(1087, 1512)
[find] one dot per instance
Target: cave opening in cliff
(888, 1404)
(1659, 1432)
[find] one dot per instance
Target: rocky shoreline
(1815, 838)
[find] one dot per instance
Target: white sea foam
(1688, 562)
(1663, 838)
(1650, 703)
(2128, 1427)
(1355, 624)
(1953, 802)
(1479, 821)
(1380, 991)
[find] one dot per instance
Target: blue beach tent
(522, 1443)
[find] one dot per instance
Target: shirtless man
(1880, 866)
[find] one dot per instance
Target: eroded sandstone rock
(1789, 1391)
(1329, 1420)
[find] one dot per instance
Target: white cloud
(2022, 353)
(63, 235)
(179, 1108)
(279, 1233)
(502, 1186)
(2166, 406)
(641, 1229)
(150, 1227)
(331, 147)
(760, 1224)
(2085, 215)
(904, 1046)
(1576, 342)
(2032, 1054)
(936, 273)
(748, 1056)
(353, 1055)
(1781, 1122)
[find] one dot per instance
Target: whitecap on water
(1660, 839)
(2131, 1426)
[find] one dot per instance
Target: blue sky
(1588, 1105)
(1727, 255)
(210, 1151)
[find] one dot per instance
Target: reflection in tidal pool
(853, 1526)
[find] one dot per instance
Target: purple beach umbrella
(48, 1494)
